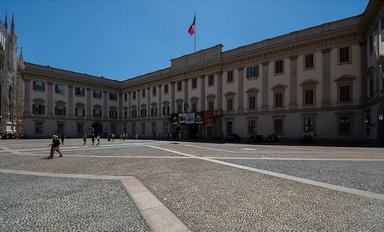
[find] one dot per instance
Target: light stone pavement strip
(155, 213)
(283, 176)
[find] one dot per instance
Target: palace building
(326, 81)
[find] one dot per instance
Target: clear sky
(124, 39)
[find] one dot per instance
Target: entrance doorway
(97, 128)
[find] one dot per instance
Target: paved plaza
(148, 185)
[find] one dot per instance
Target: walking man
(62, 138)
(55, 146)
(84, 139)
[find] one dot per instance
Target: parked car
(256, 139)
(272, 138)
(233, 138)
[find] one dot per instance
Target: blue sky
(124, 39)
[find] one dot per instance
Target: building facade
(326, 81)
(11, 84)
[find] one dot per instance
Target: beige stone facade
(325, 81)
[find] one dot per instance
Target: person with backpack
(55, 146)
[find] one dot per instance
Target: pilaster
(293, 82)
(240, 108)
(202, 93)
(88, 100)
(27, 100)
(70, 100)
(265, 91)
(173, 97)
(219, 78)
(50, 99)
(326, 57)
(105, 105)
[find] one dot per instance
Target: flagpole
(195, 32)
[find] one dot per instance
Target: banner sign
(182, 118)
(199, 118)
(190, 118)
(208, 117)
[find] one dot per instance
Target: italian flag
(192, 28)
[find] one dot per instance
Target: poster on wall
(182, 118)
(208, 117)
(190, 119)
(199, 118)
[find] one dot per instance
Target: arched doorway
(380, 122)
(97, 128)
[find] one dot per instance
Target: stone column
(159, 109)
(50, 99)
(105, 105)
(219, 90)
(149, 102)
(293, 82)
(70, 101)
(129, 105)
(363, 68)
(202, 96)
(138, 104)
(120, 106)
(265, 90)
(326, 57)
(240, 108)
(186, 101)
(172, 97)
(27, 100)
(88, 105)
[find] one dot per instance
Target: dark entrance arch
(97, 128)
(380, 120)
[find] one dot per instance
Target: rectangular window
(229, 127)
(179, 107)
(153, 91)
(194, 83)
(278, 99)
(113, 114)
(79, 112)
(309, 125)
(125, 114)
(97, 94)
(113, 96)
(211, 106)
(344, 55)
(38, 86)
(230, 76)
(211, 80)
(134, 95)
(345, 93)
(38, 109)
(60, 110)
(97, 113)
(59, 89)
(279, 67)
(194, 107)
(230, 104)
(166, 88)
(154, 129)
(80, 91)
(142, 128)
(179, 85)
(143, 93)
(252, 102)
(309, 96)
(38, 128)
(278, 126)
(345, 125)
(125, 96)
(308, 61)
(253, 72)
(251, 127)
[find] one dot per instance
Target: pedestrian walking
(55, 146)
(98, 140)
(62, 138)
(84, 139)
(93, 138)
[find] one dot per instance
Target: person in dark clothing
(62, 139)
(55, 146)
(93, 138)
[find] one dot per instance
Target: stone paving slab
(31, 203)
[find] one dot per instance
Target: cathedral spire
(13, 25)
(6, 21)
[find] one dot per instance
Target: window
(278, 126)
(166, 88)
(344, 55)
(344, 125)
(179, 107)
(194, 107)
(278, 99)
(134, 112)
(80, 128)
(38, 108)
(252, 127)
(38, 85)
(134, 95)
(143, 112)
(154, 129)
(80, 91)
(230, 76)
(60, 110)
(194, 83)
(210, 80)
(308, 61)
(309, 96)
(166, 110)
(309, 125)
(165, 128)
(143, 93)
(279, 67)
(125, 114)
(211, 105)
(253, 72)
(154, 91)
(97, 113)
(230, 104)
(125, 96)
(252, 102)
(229, 128)
(179, 85)
(38, 128)
(345, 93)
(113, 96)
(367, 122)
(79, 111)
(59, 89)
(113, 113)
(154, 111)
(143, 128)
(97, 94)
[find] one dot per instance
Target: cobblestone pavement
(30, 203)
(209, 196)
